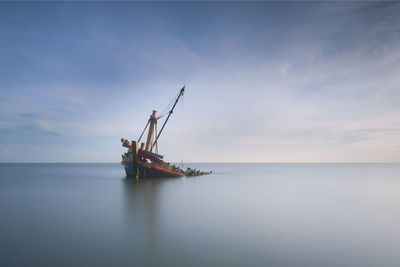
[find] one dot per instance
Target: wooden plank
(135, 158)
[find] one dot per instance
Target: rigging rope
(143, 131)
(156, 137)
(181, 92)
(166, 110)
(180, 134)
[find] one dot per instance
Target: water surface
(242, 215)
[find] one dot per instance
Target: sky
(265, 81)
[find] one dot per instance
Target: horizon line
(216, 162)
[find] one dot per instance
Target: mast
(170, 112)
(153, 123)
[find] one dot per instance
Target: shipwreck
(142, 162)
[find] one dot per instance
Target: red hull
(148, 170)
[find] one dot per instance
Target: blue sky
(266, 81)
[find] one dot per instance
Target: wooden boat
(143, 162)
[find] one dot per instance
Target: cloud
(323, 86)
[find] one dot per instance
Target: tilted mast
(153, 123)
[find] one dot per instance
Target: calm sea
(241, 215)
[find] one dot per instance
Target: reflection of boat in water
(143, 210)
(143, 162)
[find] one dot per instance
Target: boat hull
(149, 170)
(129, 170)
